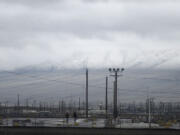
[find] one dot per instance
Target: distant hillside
(54, 84)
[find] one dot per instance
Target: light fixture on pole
(115, 71)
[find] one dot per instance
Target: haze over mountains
(56, 84)
(46, 45)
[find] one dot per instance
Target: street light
(115, 71)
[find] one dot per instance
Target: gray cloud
(99, 33)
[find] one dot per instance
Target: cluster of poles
(114, 73)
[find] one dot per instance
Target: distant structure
(106, 97)
(115, 75)
(86, 93)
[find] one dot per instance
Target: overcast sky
(93, 33)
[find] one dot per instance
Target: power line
(81, 85)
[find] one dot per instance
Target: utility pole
(74, 106)
(79, 104)
(18, 104)
(149, 102)
(59, 106)
(115, 113)
(6, 111)
(27, 103)
(40, 106)
(106, 98)
(115, 75)
(86, 93)
(34, 104)
(149, 110)
(44, 106)
(62, 106)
